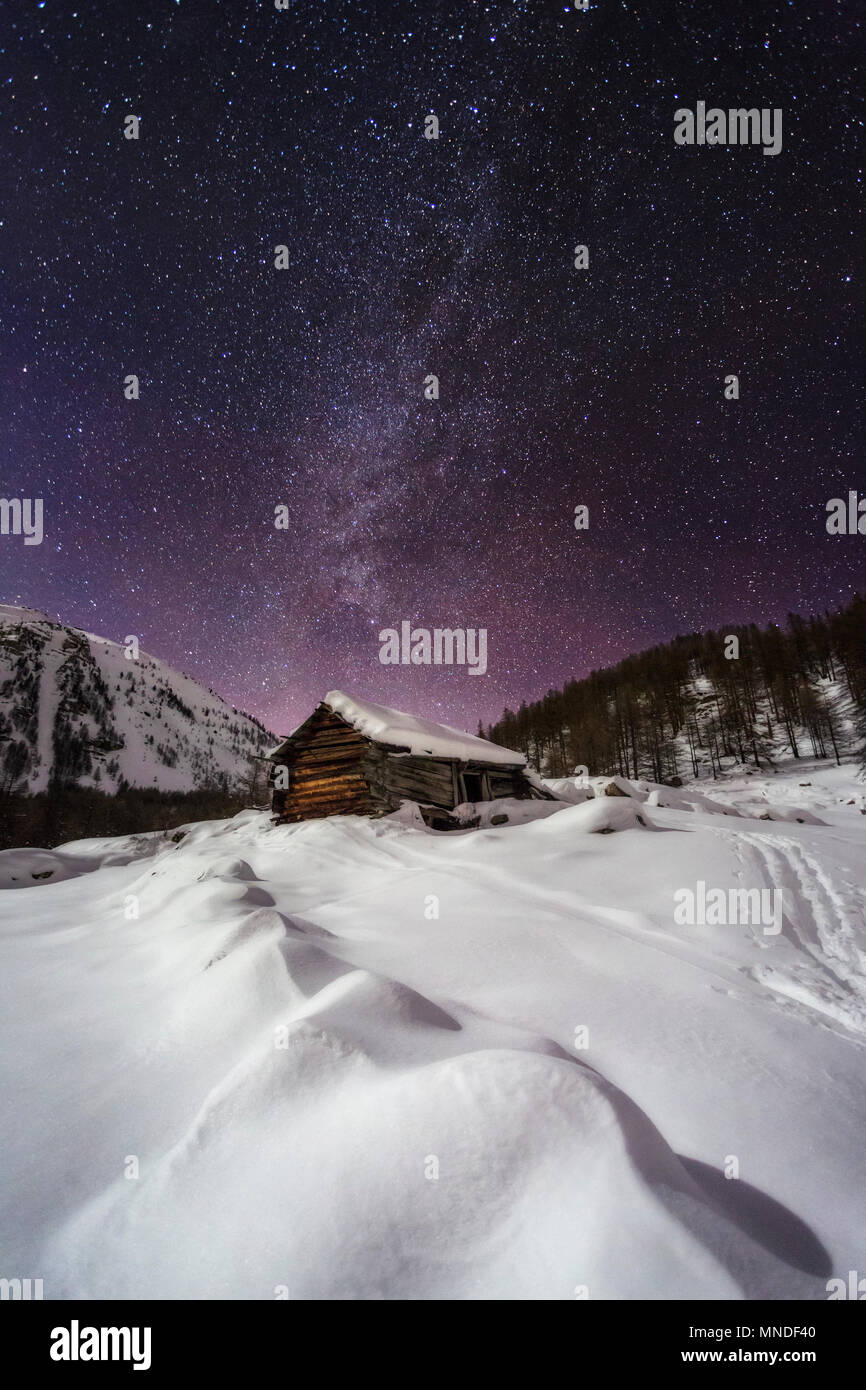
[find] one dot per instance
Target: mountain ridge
(76, 710)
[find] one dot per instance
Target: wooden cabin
(355, 758)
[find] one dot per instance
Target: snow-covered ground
(362, 1059)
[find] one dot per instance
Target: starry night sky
(410, 256)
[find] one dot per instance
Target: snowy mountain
(75, 708)
(373, 1061)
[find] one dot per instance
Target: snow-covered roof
(420, 736)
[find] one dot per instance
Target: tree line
(706, 702)
(77, 813)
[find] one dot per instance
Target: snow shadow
(763, 1218)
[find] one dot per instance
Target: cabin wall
(435, 781)
(400, 777)
(326, 774)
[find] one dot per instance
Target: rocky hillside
(75, 709)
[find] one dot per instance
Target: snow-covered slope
(74, 706)
(360, 1059)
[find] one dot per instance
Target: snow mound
(754, 802)
(229, 868)
(602, 815)
(767, 810)
(685, 799)
(618, 786)
(27, 868)
(574, 790)
(357, 1086)
(504, 810)
(352, 1058)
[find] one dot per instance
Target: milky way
(410, 256)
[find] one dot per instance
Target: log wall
(326, 778)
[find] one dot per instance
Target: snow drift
(360, 1059)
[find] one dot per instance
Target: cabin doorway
(472, 786)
